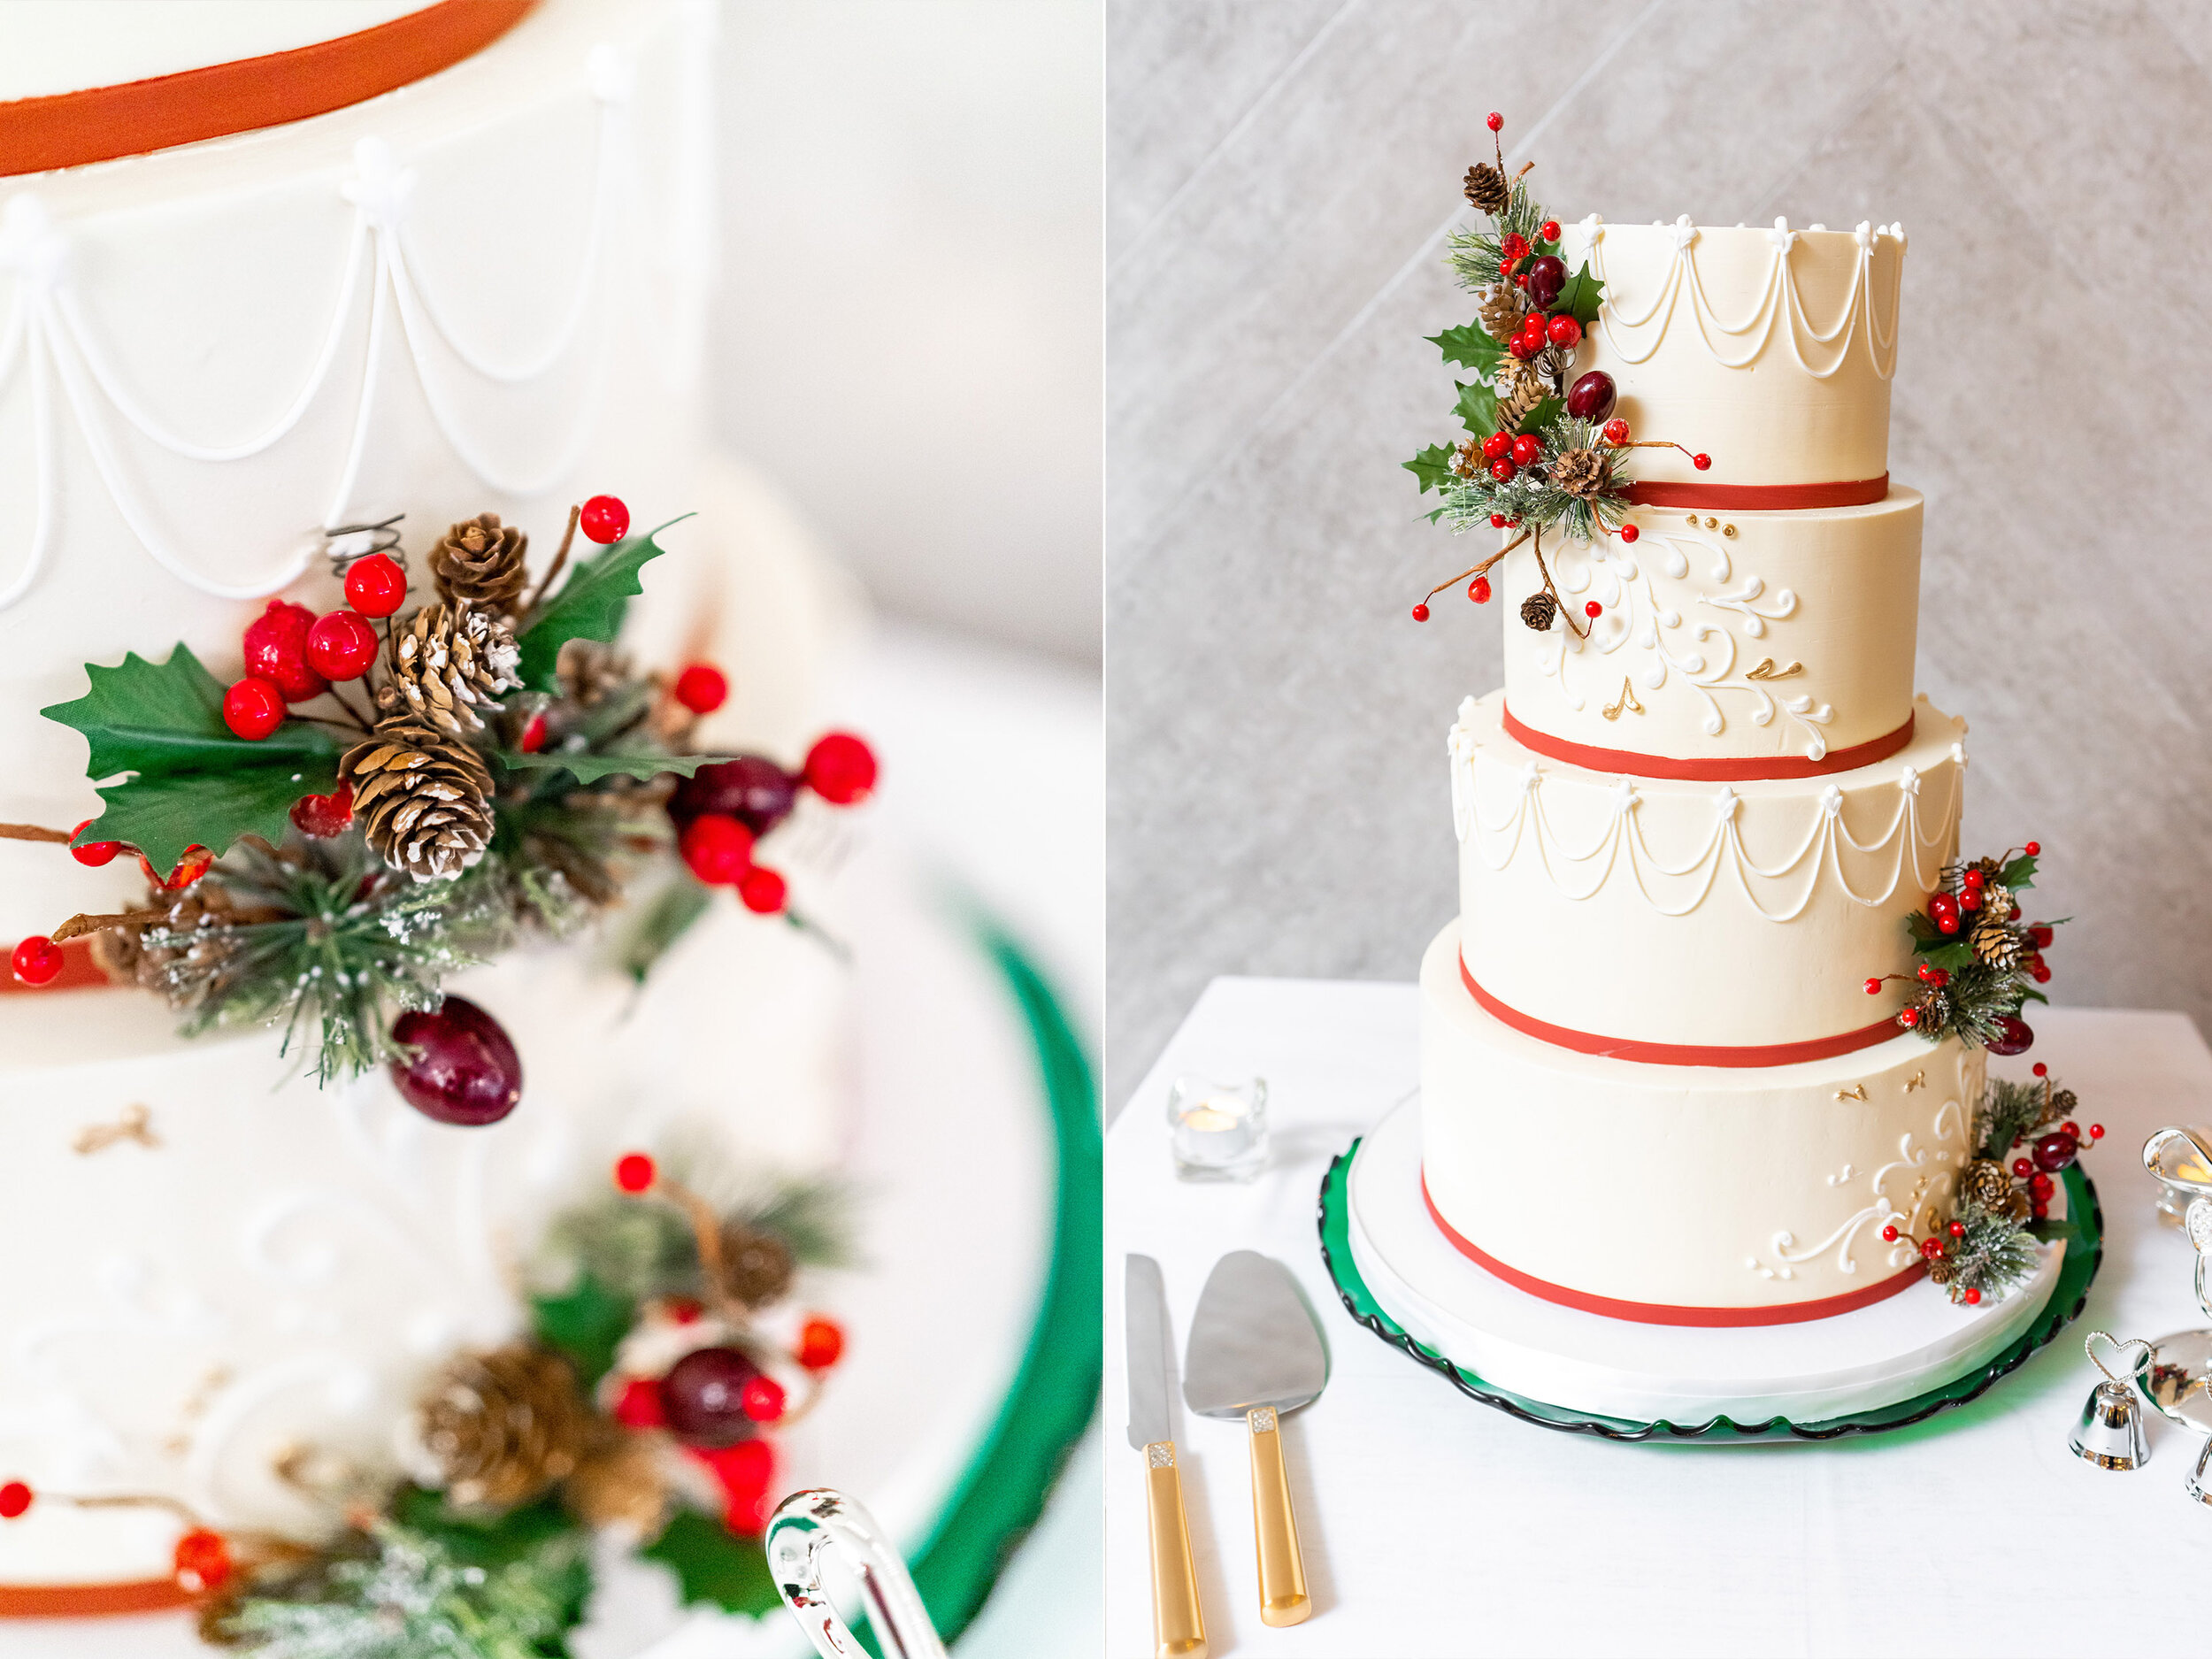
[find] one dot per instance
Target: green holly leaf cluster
(588, 768)
(1470, 345)
(714, 1567)
(589, 606)
(1432, 466)
(1581, 296)
(178, 776)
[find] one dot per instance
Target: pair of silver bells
(2174, 1373)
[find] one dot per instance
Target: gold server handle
(1283, 1598)
(1179, 1629)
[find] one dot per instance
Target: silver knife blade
(1253, 1341)
(1150, 1351)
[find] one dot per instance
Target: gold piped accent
(1728, 530)
(1857, 1091)
(136, 1124)
(1626, 700)
(1915, 1081)
(1766, 670)
(1712, 524)
(1694, 521)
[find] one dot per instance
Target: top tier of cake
(1770, 350)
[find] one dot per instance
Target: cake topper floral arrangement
(663, 1359)
(1980, 964)
(1540, 454)
(401, 786)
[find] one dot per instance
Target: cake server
(1256, 1352)
(1179, 1628)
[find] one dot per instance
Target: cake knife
(1255, 1353)
(1179, 1628)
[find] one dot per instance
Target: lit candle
(1218, 1130)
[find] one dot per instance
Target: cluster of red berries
(723, 810)
(1508, 453)
(38, 960)
(200, 1560)
(1933, 1246)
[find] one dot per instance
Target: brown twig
(1542, 570)
(1482, 568)
(34, 833)
(560, 558)
(81, 925)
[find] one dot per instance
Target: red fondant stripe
(1676, 1053)
(1742, 769)
(78, 971)
(1664, 1313)
(90, 1601)
(100, 123)
(1757, 497)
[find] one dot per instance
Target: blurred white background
(908, 339)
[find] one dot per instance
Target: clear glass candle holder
(1219, 1130)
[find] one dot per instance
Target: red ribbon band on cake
(1676, 1053)
(92, 1600)
(1858, 492)
(1737, 769)
(1664, 1313)
(70, 129)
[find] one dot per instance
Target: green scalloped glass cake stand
(2084, 1254)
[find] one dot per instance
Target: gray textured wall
(1280, 176)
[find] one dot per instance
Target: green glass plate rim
(2084, 1254)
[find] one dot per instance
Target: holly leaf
(1580, 296)
(713, 1566)
(1471, 345)
(589, 606)
(589, 768)
(1478, 409)
(185, 779)
(585, 1324)
(670, 916)
(1432, 466)
(1545, 411)
(2019, 873)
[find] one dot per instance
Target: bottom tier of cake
(1700, 1195)
(1576, 1361)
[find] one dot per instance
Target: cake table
(1433, 1525)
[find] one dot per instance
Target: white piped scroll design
(1737, 345)
(1931, 1170)
(1921, 840)
(48, 338)
(1641, 634)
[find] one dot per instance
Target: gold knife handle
(1283, 1598)
(1179, 1629)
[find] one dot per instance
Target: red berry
(1593, 611)
(1909, 1018)
(2039, 1069)
(1889, 1235)
(2013, 915)
(2021, 1168)
(534, 734)
(92, 854)
(762, 1399)
(1629, 532)
(1420, 613)
(324, 816)
(2069, 1127)
(1496, 445)
(375, 586)
(702, 689)
(1617, 431)
(634, 1172)
(1512, 248)
(1703, 463)
(684, 1309)
(1971, 1295)
(638, 1404)
(703, 1395)
(718, 848)
(1930, 1248)
(2042, 1211)
(1975, 876)
(840, 768)
(1563, 332)
(604, 519)
(1526, 449)
(2041, 1186)
(821, 1343)
(2042, 936)
(201, 1560)
(1548, 230)
(1521, 346)
(1958, 1229)
(762, 890)
(1478, 590)
(253, 707)
(1496, 122)
(190, 869)
(342, 645)
(2033, 848)
(462, 1067)
(37, 960)
(1497, 521)
(15, 1497)
(1873, 987)
(276, 651)
(1504, 470)
(744, 1471)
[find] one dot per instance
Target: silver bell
(2110, 1433)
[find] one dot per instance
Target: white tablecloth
(1437, 1526)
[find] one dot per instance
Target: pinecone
(479, 562)
(1580, 473)
(619, 1482)
(1467, 460)
(1941, 1271)
(1997, 942)
(449, 663)
(756, 1264)
(498, 1428)
(422, 798)
(588, 672)
(2064, 1103)
(1521, 387)
(1987, 1183)
(186, 928)
(1501, 312)
(1486, 189)
(1538, 610)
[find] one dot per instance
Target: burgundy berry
(1547, 275)
(703, 1397)
(2055, 1151)
(2014, 1036)
(1591, 397)
(755, 791)
(464, 1070)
